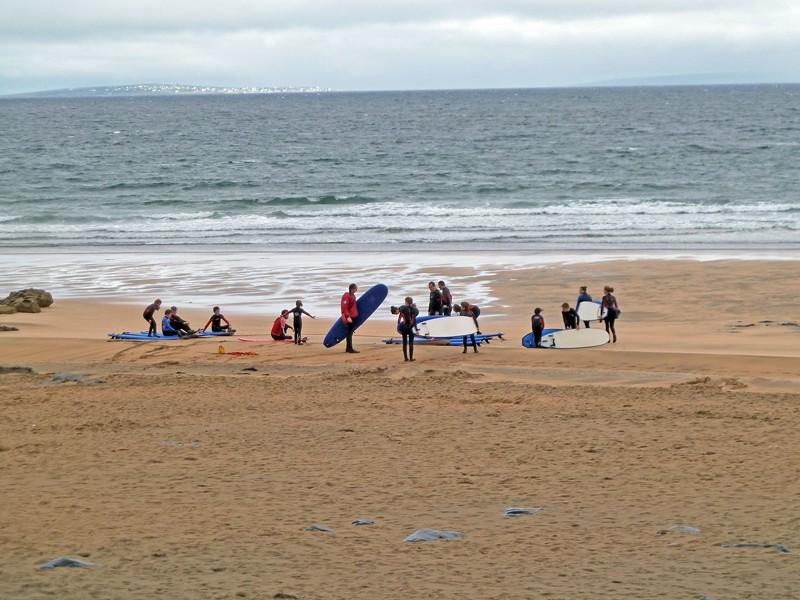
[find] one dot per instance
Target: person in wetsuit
(349, 307)
(279, 327)
(447, 299)
(215, 320)
(149, 316)
(167, 330)
(583, 296)
(435, 303)
(465, 309)
(407, 326)
(537, 326)
(177, 323)
(612, 312)
(570, 316)
(298, 311)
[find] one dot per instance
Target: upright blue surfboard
(527, 340)
(367, 304)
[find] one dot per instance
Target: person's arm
(224, 319)
(305, 312)
(533, 323)
(209, 323)
(345, 309)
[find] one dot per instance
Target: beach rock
(63, 561)
(430, 535)
(363, 522)
(7, 309)
(778, 547)
(319, 528)
(8, 328)
(27, 305)
(41, 298)
(15, 370)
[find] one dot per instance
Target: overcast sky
(388, 44)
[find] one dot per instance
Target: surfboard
(262, 340)
(447, 327)
(449, 341)
(527, 340)
(367, 304)
(141, 336)
(575, 338)
(591, 311)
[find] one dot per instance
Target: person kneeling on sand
(177, 323)
(215, 320)
(280, 326)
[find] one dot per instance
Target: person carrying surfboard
(298, 311)
(349, 313)
(447, 299)
(583, 296)
(537, 326)
(148, 316)
(279, 327)
(612, 312)
(407, 326)
(435, 303)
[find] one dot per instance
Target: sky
(388, 44)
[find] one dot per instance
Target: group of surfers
(440, 303)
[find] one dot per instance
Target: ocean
(562, 170)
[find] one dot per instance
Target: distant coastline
(165, 89)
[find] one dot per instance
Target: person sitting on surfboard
(537, 326)
(349, 314)
(280, 326)
(612, 312)
(215, 320)
(583, 296)
(166, 325)
(407, 326)
(148, 316)
(447, 299)
(570, 316)
(298, 311)
(177, 323)
(465, 309)
(435, 303)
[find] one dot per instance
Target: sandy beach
(185, 473)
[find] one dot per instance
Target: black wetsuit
(406, 321)
(537, 325)
(447, 302)
(435, 304)
(216, 323)
(179, 324)
(570, 319)
(612, 312)
(148, 316)
(297, 322)
(474, 312)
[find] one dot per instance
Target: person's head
(456, 308)
(409, 301)
(431, 286)
(441, 284)
(216, 310)
(608, 289)
(174, 309)
(167, 312)
(537, 311)
(353, 288)
(157, 302)
(564, 307)
(464, 305)
(583, 289)
(299, 303)
(284, 312)
(394, 310)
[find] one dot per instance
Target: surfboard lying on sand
(141, 336)
(367, 304)
(575, 338)
(527, 340)
(448, 341)
(447, 327)
(591, 311)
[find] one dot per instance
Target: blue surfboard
(367, 304)
(527, 340)
(141, 336)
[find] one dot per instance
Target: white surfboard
(591, 311)
(575, 338)
(447, 327)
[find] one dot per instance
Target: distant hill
(162, 89)
(684, 79)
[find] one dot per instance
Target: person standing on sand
(465, 309)
(537, 326)
(447, 299)
(435, 303)
(407, 326)
(570, 316)
(298, 311)
(583, 296)
(612, 312)
(148, 315)
(349, 314)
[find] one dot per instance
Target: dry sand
(184, 473)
